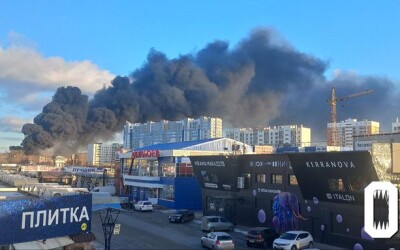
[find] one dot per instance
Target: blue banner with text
(44, 218)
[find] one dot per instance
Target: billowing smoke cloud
(259, 82)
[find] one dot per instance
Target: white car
(293, 240)
(144, 206)
(217, 240)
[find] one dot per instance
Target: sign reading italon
(44, 218)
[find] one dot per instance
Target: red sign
(146, 154)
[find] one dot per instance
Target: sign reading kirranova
(44, 218)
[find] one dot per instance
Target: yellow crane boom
(332, 101)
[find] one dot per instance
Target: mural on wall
(286, 212)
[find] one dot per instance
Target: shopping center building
(163, 173)
(321, 192)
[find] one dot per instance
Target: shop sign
(212, 172)
(86, 170)
(270, 191)
(274, 164)
(146, 154)
(37, 168)
(44, 218)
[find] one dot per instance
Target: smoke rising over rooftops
(262, 81)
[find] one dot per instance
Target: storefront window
(276, 179)
(154, 168)
(184, 170)
(336, 185)
(260, 178)
(126, 164)
(145, 168)
(247, 180)
(168, 169)
(293, 180)
(152, 193)
(168, 193)
(210, 204)
(355, 184)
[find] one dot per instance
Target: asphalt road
(152, 230)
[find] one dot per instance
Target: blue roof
(175, 145)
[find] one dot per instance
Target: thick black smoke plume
(261, 82)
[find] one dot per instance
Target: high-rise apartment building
(138, 135)
(93, 154)
(277, 136)
(351, 127)
(100, 154)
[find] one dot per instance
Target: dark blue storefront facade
(187, 193)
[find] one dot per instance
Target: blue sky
(47, 44)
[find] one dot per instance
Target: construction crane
(333, 102)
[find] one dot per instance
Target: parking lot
(152, 230)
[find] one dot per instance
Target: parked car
(216, 223)
(261, 236)
(181, 216)
(217, 240)
(144, 206)
(293, 240)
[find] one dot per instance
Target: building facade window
(184, 170)
(247, 181)
(168, 193)
(336, 185)
(276, 179)
(293, 180)
(168, 169)
(260, 178)
(210, 204)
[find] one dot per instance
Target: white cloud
(25, 66)
(29, 79)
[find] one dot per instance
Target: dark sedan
(261, 236)
(182, 216)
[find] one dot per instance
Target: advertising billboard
(44, 218)
(215, 172)
(338, 177)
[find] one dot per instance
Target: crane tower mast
(332, 101)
